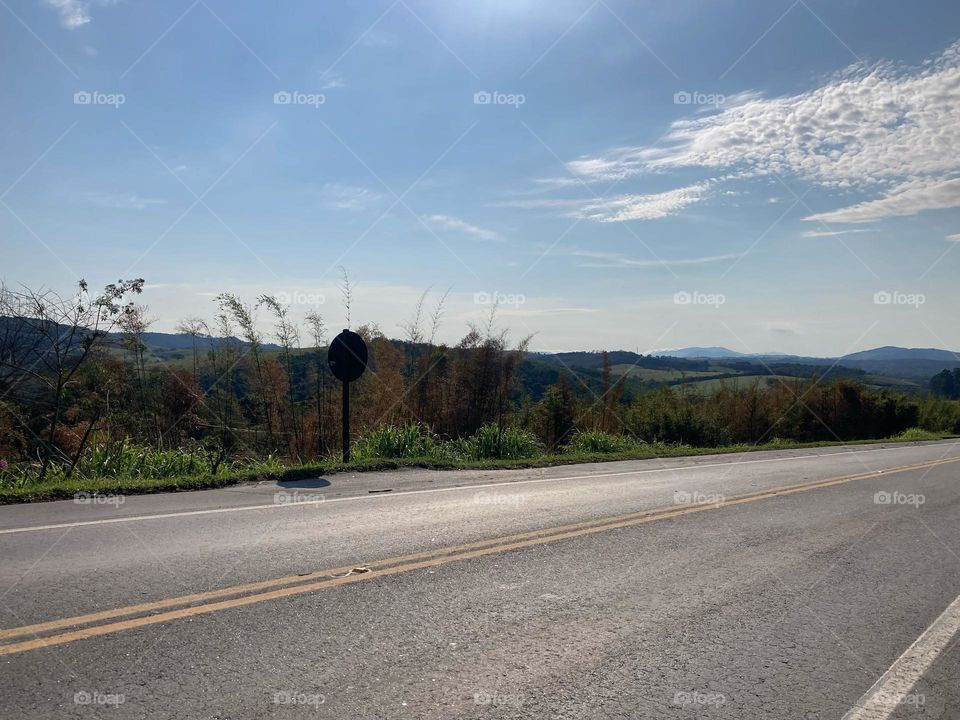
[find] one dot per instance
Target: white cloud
(597, 259)
(642, 207)
(129, 201)
(333, 81)
(885, 129)
(834, 233)
(348, 197)
(73, 13)
(908, 198)
(620, 208)
(76, 13)
(452, 223)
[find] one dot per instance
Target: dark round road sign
(347, 356)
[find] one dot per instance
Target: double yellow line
(160, 611)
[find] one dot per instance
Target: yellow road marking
(389, 566)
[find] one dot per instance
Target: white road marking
(890, 691)
(308, 503)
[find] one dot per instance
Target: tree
(62, 334)
(232, 306)
(946, 384)
(194, 327)
(318, 334)
(556, 413)
(288, 335)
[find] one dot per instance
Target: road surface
(808, 584)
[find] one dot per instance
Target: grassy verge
(67, 489)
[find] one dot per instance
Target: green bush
(493, 443)
(17, 474)
(124, 460)
(939, 415)
(121, 460)
(390, 441)
(597, 441)
(778, 442)
(916, 433)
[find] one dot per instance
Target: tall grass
(491, 442)
(916, 433)
(597, 441)
(389, 441)
(123, 460)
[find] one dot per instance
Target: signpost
(347, 358)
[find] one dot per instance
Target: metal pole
(346, 421)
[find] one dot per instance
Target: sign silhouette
(347, 357)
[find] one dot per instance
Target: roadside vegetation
(86, 405)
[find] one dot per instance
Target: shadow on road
(304, 484)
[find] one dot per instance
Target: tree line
(78, 375)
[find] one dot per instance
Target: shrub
(778, 442)
(493, 443)
(938, 415)
(390, 441)
(124, 460)
(916, 433)
(597, 441)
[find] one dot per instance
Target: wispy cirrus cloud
(75, 13)
(835, 233)
(449, 222)
(348, 197)
(600, 259)
(908, 198)
(642, 207)
(332, 81)
(620, 208)
(123, 201)
(884, 129)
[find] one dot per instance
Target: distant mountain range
(699, 352)
(891, 366)
(888, 352)
(891, 352)
(915, 365)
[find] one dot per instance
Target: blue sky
(768, 175)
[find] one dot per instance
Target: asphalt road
(807, 584)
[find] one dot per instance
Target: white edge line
(884, 696)
(378, 496)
